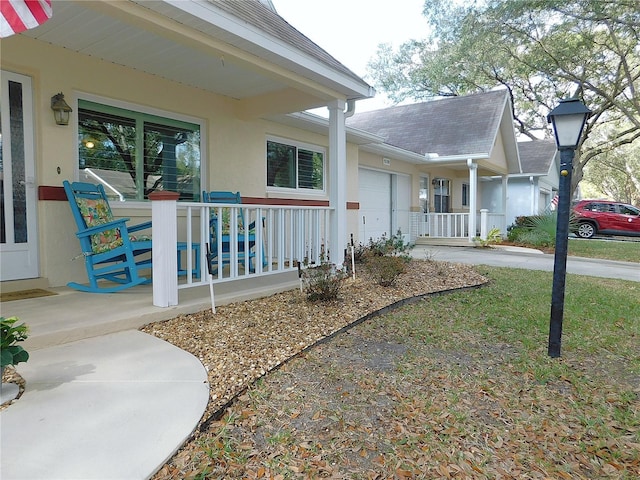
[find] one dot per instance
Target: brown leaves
(378, 403)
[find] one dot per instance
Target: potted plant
(10, 334)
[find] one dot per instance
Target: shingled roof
(536, 157)
(448, 127)
(263, 16)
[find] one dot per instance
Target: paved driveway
(526, 258)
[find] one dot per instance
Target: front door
(18, 236)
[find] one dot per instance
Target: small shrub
(494, 236)
(386, 269)
(383, 246)
(536, 238)
(10, 334)
(322, 283)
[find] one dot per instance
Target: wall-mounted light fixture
(60, 109)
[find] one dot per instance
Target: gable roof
(450, 126)
(537, 157)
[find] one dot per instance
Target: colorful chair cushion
(97, 212)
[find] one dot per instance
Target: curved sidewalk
(526, 258)
(112, 407)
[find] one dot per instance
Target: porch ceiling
(202, 46)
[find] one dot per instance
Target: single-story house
(201, 86)
(212, 95)
(427, 176)
(532, 191)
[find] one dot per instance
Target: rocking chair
(108, 248)
(223, 226)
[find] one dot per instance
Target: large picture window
(134, 153)
(295, 166)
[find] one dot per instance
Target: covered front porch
(68, 315)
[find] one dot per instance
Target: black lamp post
(568, 120)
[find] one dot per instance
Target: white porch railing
(443, 225)
(494, 220)
(282, 237)
(455, 225)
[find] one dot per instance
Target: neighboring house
(425, 179)
(202, 86)
(532, 191)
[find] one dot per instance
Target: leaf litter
(375, 402)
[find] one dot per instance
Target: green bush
(386, 269)
(383, 246)
(323, 282)
(494, 236)
(10, 335)
(537, 230)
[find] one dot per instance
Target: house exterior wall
(497, 162)
(233, 149)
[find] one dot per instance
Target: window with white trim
(133, 153)
(295, 165)
(465, 194)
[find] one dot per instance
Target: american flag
(554, 202)
(19, 15)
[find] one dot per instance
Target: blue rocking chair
(223, 224)
(108, 248)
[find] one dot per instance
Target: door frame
(20, 261)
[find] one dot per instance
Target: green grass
(621, 251)
(600, 315)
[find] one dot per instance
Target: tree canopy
(539, 50)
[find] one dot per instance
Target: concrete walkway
(526, 258)
(112, 407)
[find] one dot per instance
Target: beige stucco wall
(497, 163)
(233, 151)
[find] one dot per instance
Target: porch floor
(72, 315)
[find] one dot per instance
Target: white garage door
(375, 204)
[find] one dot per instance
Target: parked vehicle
(605, 217)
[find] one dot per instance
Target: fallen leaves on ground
(376, 402)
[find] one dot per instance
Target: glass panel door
(18, 236)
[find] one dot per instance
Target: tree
(539, 50)
(616, 174)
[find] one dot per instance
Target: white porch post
(337, 180)
(505, 190)
(164, 222)
(473, 197)
(484, 228)
(532, 196)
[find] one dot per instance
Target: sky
(351, 30)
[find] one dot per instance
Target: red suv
(605, 217)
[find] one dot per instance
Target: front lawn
(626, 251)
(455, 386)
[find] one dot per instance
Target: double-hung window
(294, 165)
(133, 153)
(465, 194)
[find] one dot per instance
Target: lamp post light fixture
(568, 120)
(60, 109)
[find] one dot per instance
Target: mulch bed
(244, 341)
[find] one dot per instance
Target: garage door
(375, 204)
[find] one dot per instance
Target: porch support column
(505, 189)
(164, 215)
(337, 180)
(473, 197)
